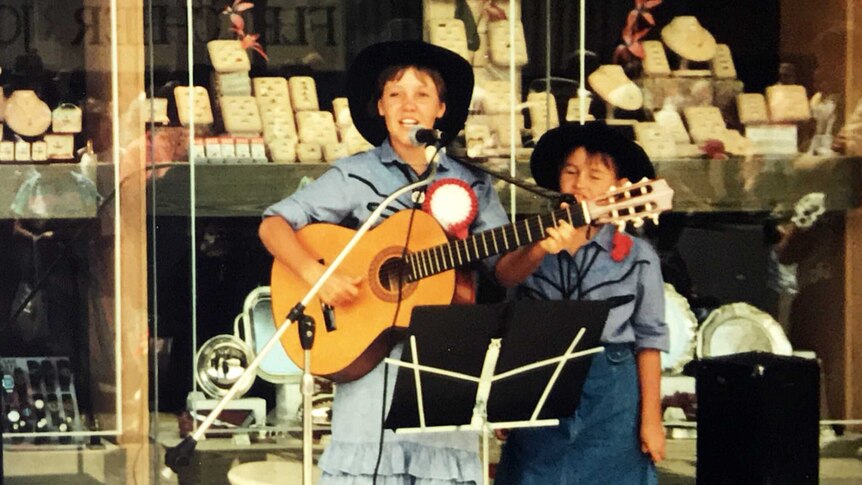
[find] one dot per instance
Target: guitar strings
(532, 229)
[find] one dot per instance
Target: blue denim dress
(346, 195)
(600, 442)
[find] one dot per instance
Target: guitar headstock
(633, 203)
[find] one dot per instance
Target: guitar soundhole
(388, 276)
(393, 273)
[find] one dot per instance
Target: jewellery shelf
(244, 190)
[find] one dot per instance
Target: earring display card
(722, 64)
(543, 113)
(704, 122)
(228, 56)
(282, 150)
(277, 117)
(232, 83)
(38, 396)
(7, 151)
(303, 93)
(22, 151)
(787, 103)
(341, 110)
(271, 87)
(316, 127)
(241, 116)
(655, 140)
(477, 137)
(66, 118)
(203, 113)
(751, 108)
(498, 37)
(335, 151)
(309, 153)
(655, 61)
(354, 140)
(450, 34)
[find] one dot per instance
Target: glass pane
(73, 348)
(745, 110)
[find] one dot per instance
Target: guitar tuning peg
(638, 222)
(621, 225)
(654, 218)
(627, 184)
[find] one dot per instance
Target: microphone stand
(535, 189)
(180, 455)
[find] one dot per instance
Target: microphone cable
(430, 173)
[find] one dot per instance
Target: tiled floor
(840, 463)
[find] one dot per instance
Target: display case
(140, 143)
(74, 345)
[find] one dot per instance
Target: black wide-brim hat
(555, 146)
(363, 74)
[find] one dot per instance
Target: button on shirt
(591, 274)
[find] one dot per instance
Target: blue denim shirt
(355, 186)
(591, 274)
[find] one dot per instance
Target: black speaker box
(757, 420)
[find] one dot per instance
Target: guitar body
(364, 328)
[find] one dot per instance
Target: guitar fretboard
(444, 257)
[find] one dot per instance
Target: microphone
(423, 136)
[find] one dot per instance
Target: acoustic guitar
(350, 340)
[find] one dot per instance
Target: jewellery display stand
(504, 365)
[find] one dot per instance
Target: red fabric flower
(453, 203)
(622, 244)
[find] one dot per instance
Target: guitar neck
(444, 257)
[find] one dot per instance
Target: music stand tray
(502, 365)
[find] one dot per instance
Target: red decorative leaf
(621, 55)
(260, 51)
(240, 6)
(631, 19)
(650, 4)
(493, 11)
(237, 22)
(622, 245)
(648, 17)
(249, 40)
(637, 49)
(639, 35)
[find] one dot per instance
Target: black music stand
(503, 365)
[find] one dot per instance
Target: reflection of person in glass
(393, 87)
(616, 433)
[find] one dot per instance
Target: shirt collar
(605, 237)
(388, 156)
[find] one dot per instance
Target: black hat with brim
(554, 147)
(364, 72)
